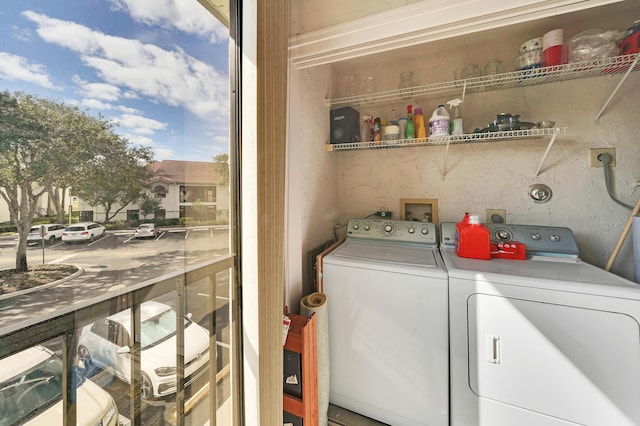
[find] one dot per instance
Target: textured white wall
(335, 186)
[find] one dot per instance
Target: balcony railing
(65, 324)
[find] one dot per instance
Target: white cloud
(140, 140)
(127, 110)
(166, 76)
(102, 91)
(140, 125)
(187, 16)
(95, 104)
(14, 67)
(164, 154)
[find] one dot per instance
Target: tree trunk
(21, 262)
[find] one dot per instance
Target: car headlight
(165, 371)
(111, 412)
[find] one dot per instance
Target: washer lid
(388, 253)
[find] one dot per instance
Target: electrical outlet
(384, 213)
(593, 156)
(496, 215)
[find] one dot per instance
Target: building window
(160, 191)
(191, 194)
(86, 216)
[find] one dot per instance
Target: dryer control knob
(425, 231)
(535, 236)
(554, 237)
(388, 229)
(356, 226)
(367, 227)
(412, 230)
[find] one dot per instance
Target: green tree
(149, 204)
(25, 171)
(46, 146)
(221, 167)
(78, 139)
(116, 177)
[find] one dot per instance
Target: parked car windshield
(157, 329)
(31, 392)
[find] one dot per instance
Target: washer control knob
(356, 226)
(367, 227)
(535, 236)
(412, 230)
(554, 237)
(388, 229)
(503, 235)
(425, 231)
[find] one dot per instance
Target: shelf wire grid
(523, 78)
(450, 140)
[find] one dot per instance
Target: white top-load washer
(386, 293)
(550, 340)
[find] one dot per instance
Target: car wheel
(146, 387)
(92, 238)
(83, 354)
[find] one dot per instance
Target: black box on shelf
(292, 374)
(345, 125)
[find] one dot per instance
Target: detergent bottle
(439, 122)
(418, 123)
(473, 239)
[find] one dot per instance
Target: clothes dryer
(386, 290)
(550, 340)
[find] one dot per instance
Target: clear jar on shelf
(406, 84)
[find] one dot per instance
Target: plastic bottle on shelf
(411, 130)
(402, 124)
(377, 130)
(418, 123)
(365, 129)
(456, 124)
(439, 122)
(473, 239)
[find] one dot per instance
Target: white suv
(52, 232)
(83, 231)
(31, 392)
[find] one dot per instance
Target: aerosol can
(455, 106)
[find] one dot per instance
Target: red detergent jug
(473, 239)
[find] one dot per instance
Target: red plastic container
(473, 239)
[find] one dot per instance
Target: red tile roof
(184, 172)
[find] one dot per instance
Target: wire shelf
(449, 140)
(531, 77)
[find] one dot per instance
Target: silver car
(145, 230)
(83, 231)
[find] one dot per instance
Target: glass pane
(117, 112)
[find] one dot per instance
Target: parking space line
(63, 259)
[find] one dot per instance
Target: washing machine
(550, 340)
(386, 290)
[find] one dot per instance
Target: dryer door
(571, 363)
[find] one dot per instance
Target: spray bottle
(455, 106)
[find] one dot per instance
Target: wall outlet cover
(593, 156)
(496, 215)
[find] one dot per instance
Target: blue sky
(157, 68)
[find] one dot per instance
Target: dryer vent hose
(606, 159)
